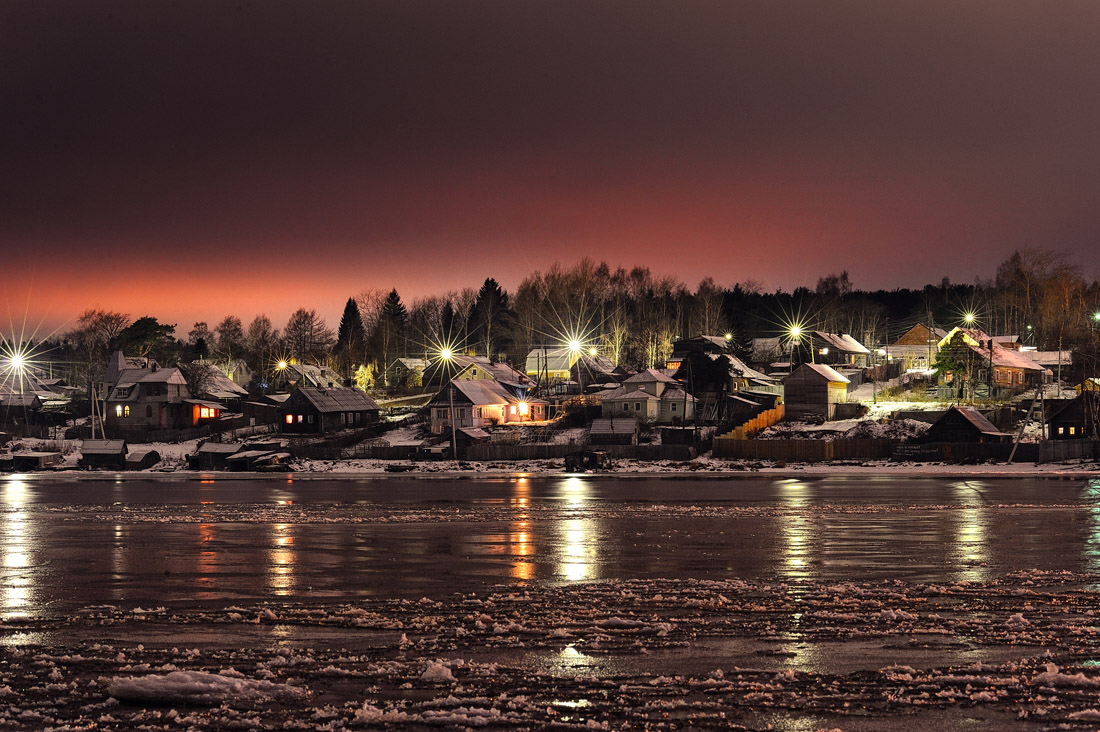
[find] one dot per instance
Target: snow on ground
(623, 654)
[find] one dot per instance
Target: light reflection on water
(281, 559)
(1091, 548)
(798, 530)
(18, 577)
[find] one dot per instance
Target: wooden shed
(212, 455)
(142, 459)
(110, 454)
(1079, 418)
(812, 391)
(964, 424)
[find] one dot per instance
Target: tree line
(631, 316)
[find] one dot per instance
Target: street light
(446, 355)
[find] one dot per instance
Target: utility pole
(454, 431)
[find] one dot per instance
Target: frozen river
(667, 602)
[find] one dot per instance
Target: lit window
(523, 409)
(1061, 430)
(300, 419)
(1072, 430)
(514, 410)
(126, 411)
(290, 419)
(118, 410)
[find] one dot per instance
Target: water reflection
(1091, 548)
(798, 532)
(280, 560)
(18, 583)
(970, 541)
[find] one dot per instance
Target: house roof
(550, 359)
(103, 447)
(474, 433)
(841, 342)
(337, 399)
(976, 418)
(828, 372)
(648, 376)
(219, 448)
(204, 403)
(609, 426)
(1008, 358)
(483, 392)
(626, 393)
(309, 375)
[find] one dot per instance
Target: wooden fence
(550, 452)
(808, 451)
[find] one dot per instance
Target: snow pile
(196, 686)
(438, 673)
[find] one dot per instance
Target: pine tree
(487, 318)
(389, 336)
(351, 337)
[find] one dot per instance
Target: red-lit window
(290, 419)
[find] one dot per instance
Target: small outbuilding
(812, 392)
(34, 460)
(109, 454)
(964, 424)
(142, 459)
(1079, 418)
(311, 410)
(213, 455)
(614, 431)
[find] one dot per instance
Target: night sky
(190, 160)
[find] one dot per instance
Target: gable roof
(828, 372)
(841, 342)
(482, 392)
(648, 376)
(550, 359)
(974, 417)
(337, 399)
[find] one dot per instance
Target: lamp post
(446, 355)
(794, 336)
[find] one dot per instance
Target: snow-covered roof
(616, 426)
(648, 376)
(103, 447)
(827, 371)
(841, 342)
(550, 359)
(219, 448)
(337, 399)
(483, 392)
(976, 418)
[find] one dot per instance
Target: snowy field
(550, 603)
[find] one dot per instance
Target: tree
(199, 375)
(146, 337)
(487, 318)
(260, 344)
(229, 338)
(955, 362)
(390, 333)
(200, 338)
(307, 337)
(351, 338)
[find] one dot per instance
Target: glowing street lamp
(969, 318)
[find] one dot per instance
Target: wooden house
(1079, 418)
(964, 424)
(310, 410)
(481, 403)
(650, 395)
(614, 431)
(812, 392)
